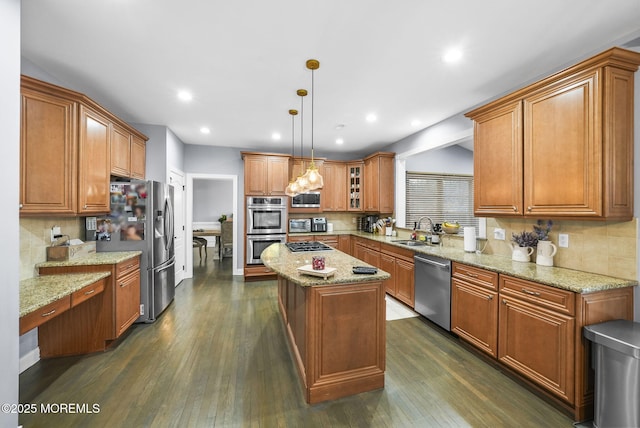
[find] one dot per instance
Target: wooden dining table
(209, 232)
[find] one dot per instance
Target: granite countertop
(285, 263)
(566, 279)
(104, 258)
(42, 290)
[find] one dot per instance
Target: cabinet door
(404, 281)
(138, 157)
(127, 301)
(355, 186)
(255, 175)
(334, 193)
(474, 315)
(277, 175)
(120, 152)
(563, 158)
(386, 184)
(94, 163)
(497, 160)
(344, 244)
(539, 344)
(371, 193)
(47, 171)
(388, 264)
(372, 257)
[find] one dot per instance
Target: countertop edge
(99, 258)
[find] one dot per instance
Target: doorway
(229, 189)
(176, 179)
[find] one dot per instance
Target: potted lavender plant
(522, 246)
(545, 248)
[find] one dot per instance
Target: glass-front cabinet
(355, 182)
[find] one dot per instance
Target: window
(442, 197)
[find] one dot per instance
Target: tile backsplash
(35, 237)
(607, 248)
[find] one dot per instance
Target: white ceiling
(244, 60)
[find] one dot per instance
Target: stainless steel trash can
(616, 360)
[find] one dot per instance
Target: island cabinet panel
(561, 147)
(48, 154)
(337, 336)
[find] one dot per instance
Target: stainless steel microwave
(306, 200)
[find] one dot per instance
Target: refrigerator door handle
(168, 218)
(166, 266)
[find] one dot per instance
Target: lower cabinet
(535, 330)
(108, 316)
(474, 306)
(399, 263)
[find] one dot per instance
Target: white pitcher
(545, 253)
(521, 254)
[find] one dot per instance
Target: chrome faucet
(430, 224)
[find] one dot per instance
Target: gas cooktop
(296, 247)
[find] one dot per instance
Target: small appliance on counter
(319, 224)
(299, 225)
(367, 223)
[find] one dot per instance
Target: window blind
(443, 197)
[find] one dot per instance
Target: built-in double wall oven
(266, 224)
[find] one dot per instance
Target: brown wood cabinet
(297, 167)
(474, 306)
(66, 151)
(106, 316)
(379, 182)
(334, 192)
(265, 174)
(344, 244)
(355, 185)
(561, 147)
(399, 263)
(128, 154)
(366, 250)
(94, 164)
(48, 172)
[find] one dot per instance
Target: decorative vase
(521, 254)
(546, 251)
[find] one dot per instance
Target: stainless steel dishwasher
(433, 289)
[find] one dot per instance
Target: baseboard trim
(29, 359)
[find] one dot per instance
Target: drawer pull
(123, 284)
(532, 293)
(489, 297)
(86, 293)
(472, 275)
(46, 314)
(504, 302)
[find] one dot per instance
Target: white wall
(447, 160)
(9, 173)
(211, 199)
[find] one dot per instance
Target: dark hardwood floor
(218, 357)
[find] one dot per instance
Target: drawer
(87, 292)
(127, 266)
(477, 276)
(561, 301)
(44, 314)
(397, 252)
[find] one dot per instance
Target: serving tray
(324, 273)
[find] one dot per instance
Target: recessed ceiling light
(415, 123)
(205, 130)
(371, 118)
(339, 126)
(339, 141)
(276, 136)
(452, 55)
(185, 96)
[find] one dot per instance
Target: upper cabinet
(128, 153)
(379, 182)
(265, 174)
(561, 147)
(69, 146)
(355, 185)
(334, 192)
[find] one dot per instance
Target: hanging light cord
(313, 94)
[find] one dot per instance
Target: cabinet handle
(472, 275)
(515, 209)
(123, 284)
(46, 314)
(529, 209)
(533, 293)
(489, 297)
(89, 292)
(20, 206)
(504, 302)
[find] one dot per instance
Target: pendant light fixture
(302, 180)
(312, 176)
(293, 188)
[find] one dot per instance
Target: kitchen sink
(411, 243)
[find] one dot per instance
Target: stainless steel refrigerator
(141, 218)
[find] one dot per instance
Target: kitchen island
(335, 326)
